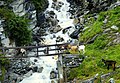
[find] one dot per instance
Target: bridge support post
(60, 69)
(37, 52)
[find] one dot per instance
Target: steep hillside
(101, 35)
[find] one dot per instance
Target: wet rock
(66, 29)
(40, 69)
(19, 79)
(53, 74)
(54, 0)
(57, 5)
(54, 36)
(28, 74)
(55, 29)
(115, 5)
(28, 69)
(35, 60)
(59, 39)
(41, 19)
(29, 6)
(75, 34)
(54, 22)
(35, 69)
(51, 14)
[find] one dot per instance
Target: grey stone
(53, 74)
(35, 69)
(28, 74)
(2, 3)
(114, 27)
(40, 69)
(111, 80)
(55, 29)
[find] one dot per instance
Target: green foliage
(93, 64)
(100, 42)
(5, 13)
(113, 17)
(73, 73)
(3, 62)
(39, 4)
(97, 26)
(100, 48)
(3, 73)
(8, 1)
(16, 28)
(91, 31)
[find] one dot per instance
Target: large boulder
(75, 34)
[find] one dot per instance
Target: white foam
(48, 63)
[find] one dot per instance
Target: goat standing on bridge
(21, 52)
(81, 48)
(74, 48)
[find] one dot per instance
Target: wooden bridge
(4, 51)
(45, 49)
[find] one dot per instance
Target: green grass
(100, 48)
(97, 26)
(91, 31)
(93, 64)
(3, 62)
(3, 73)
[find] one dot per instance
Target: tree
(16, 28)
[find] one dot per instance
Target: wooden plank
(25, 47)
(48, 50)
(31, 56)
(39, 50)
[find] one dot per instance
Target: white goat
(82, 48)
(23, 51)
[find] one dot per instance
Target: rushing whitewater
(49, 63)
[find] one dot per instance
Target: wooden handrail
(37, 50)
(25, 47)
(31, 56)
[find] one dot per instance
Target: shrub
(16, 28)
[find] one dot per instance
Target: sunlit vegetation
(39, 4)
(97, 26)
(100, 48)
(16, 28)
(3, 62)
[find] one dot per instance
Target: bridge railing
(4, 51)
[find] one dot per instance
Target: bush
(16, 29)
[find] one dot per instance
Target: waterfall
(60, 8)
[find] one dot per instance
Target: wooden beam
(31, 56)
(25, 47)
